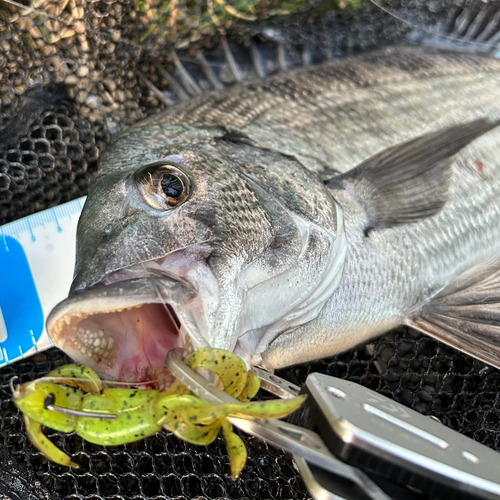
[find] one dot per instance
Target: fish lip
(114, 293)
(121, 297)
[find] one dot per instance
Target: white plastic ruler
(37, 257)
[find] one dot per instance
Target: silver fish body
(392, 274)
(309, 212)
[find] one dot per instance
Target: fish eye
(163, 187)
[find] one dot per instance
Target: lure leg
(49, 449)
(180, 414)
(275, 408)
(235, 449)
(84, 377)
(237, 381)
(198, 422)
(251, 388)
(230, 368)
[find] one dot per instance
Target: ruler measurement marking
(67, 211)
(31, 230)
(33, 340)
(61, 211)
(43, 218)
(38, 221)
(4, 239)
(59, 229)
(38, 227)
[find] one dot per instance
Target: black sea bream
(291, 218)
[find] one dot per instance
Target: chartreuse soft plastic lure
(74, 398)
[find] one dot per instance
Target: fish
(292, 218)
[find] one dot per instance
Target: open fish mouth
(125, 329)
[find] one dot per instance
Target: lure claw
(49, 449)
(236, 449)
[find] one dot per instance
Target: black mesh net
(412, 369)
(118, 62)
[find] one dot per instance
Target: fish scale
(372, 290)
(296, 85)
(379, 117)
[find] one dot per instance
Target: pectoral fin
(466, 314)
(409, 182)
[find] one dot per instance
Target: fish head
(188, 238)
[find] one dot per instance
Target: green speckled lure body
(136, 414)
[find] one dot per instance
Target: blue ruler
(37, 257)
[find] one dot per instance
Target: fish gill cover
(74, 73)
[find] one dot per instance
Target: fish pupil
(172, 186)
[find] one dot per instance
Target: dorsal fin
(409, 182)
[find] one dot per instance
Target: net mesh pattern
(404, 365)
(119, 62)
(52, 164)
